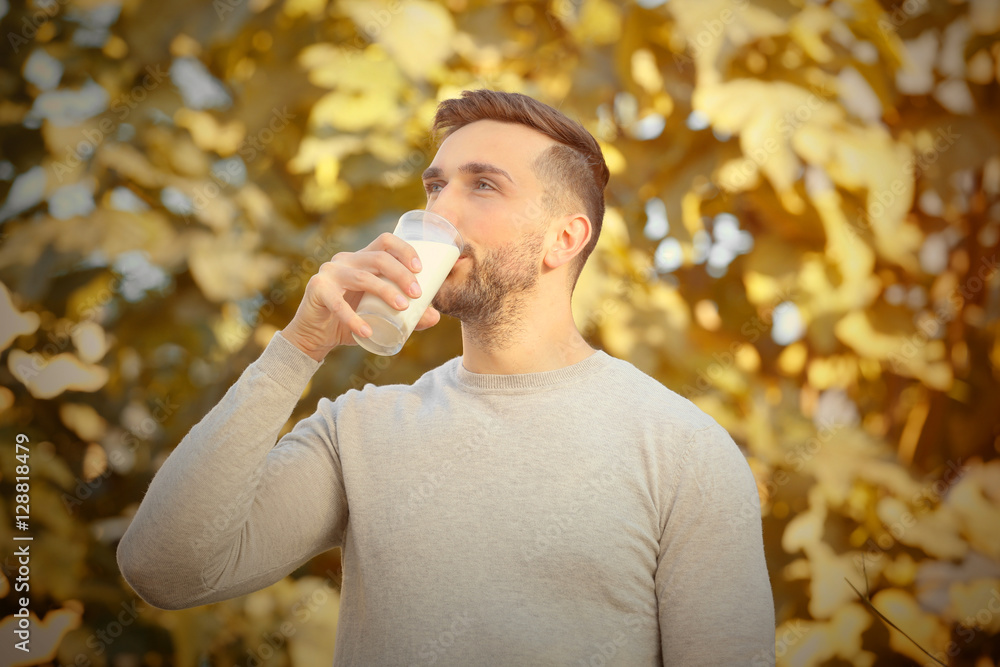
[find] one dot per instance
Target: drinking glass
(438, 245)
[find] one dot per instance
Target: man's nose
(445, 204)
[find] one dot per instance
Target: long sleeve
(229, 511)
(712, 585)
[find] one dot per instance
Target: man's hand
(326, 316)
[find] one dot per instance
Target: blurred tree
(801, 238)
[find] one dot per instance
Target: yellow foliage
(841, 162)
(799, 642)
(46, 634)
(13, 323)
(924, 628)
(83, 420)
(228, 268)
(47, 378)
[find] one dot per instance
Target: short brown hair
(577, 162)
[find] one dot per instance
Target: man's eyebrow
(469, 168)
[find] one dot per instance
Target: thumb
(430, 317)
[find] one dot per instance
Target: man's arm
(229, 512)
(712, 585)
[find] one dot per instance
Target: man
(532, 502)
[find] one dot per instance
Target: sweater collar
(527, 382)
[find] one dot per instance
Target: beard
(490, 303)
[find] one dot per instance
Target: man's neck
(538, 344)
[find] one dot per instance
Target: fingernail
(401, 301)
(416, 263)
(415, 289)
(366, 331)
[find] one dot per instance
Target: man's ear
(571, 236)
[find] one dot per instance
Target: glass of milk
(438, 244)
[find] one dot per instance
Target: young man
(533, 501)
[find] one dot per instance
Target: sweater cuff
(286, 364)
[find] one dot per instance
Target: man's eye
(432, 187)
(486, 183)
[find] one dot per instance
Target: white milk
(437, 260)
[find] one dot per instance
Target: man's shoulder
(365, 391)
(653, 399)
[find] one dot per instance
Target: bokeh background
(802, 238)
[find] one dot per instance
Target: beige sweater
(582, 516)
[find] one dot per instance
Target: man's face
(482, 181)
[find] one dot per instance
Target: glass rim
(424, 215)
